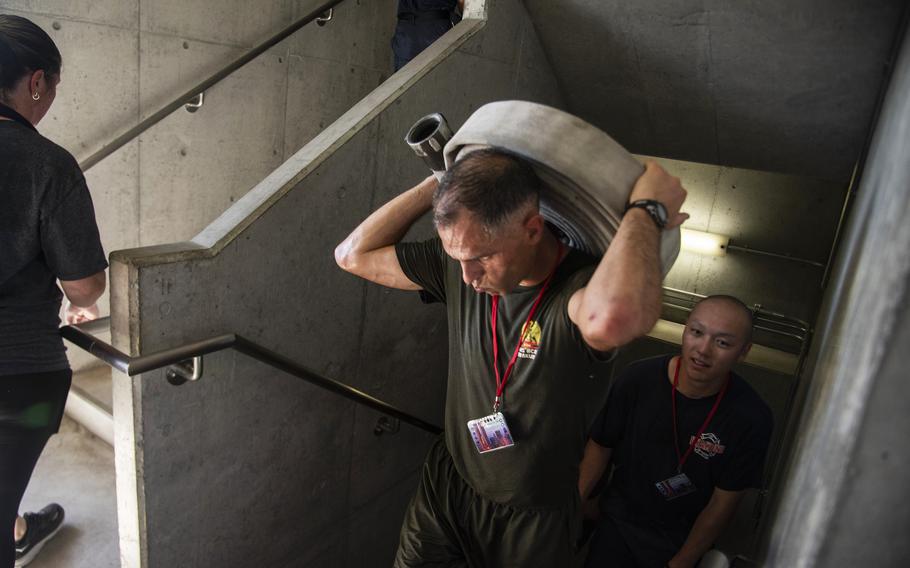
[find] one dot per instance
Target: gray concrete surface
(96, 382)
(777, 213)
(77, 471)
(844, 498)
(247, 451)
(124, 60)
(261, 449)
(783, 86)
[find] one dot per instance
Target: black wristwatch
(655, 209)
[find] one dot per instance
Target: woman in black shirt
(47, 233)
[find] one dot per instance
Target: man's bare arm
(708, 526)
(369, 251)
(592, 468)
(622, 299)
(85, 291)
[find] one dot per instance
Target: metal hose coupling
(428, 138)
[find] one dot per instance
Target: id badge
(490, 433)
(675, 486)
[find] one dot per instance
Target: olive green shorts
(449, 524)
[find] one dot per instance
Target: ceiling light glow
(699, 242)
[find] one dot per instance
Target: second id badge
(490, 433)
(675, 486)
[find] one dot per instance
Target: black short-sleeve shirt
(47, 232)
(637, 424)
(556, 388)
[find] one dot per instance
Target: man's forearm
(622, 299)
(592, 467)
(704, 533)
(708, 527)
(388, 224)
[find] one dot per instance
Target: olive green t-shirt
(555, 390)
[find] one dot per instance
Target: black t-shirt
(556, 388)
(47, 232)
(637, 424)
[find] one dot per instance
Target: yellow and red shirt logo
(530, 340)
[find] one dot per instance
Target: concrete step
(90, 402)
(76, 470)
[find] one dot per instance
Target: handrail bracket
(386, 424)
(195, 103)
(326, 17)
(188, 370)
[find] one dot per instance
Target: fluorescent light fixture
(700, 242)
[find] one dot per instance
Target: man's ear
(744, 352)
(534, 226)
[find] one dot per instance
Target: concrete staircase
(76, 470)
(90, 401)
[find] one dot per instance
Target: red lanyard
(501, 382)
(682, 459)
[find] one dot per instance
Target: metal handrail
(206, 84)
(80, 336)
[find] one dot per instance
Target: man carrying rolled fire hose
(533, 325)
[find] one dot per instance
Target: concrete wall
(845, 495)
(125, 59)
(774, 85)
(787, 215)
(250, 466)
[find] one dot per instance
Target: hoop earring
(36, 96)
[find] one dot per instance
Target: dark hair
(491, 184)
(739, 304)
(24, 48)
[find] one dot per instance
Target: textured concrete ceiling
(777, 85)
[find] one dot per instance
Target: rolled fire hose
(587, 176)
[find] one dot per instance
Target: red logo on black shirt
(708, 445)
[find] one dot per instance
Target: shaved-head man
(686, 437)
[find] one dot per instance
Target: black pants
(621, 544)
(413, 36)
(31, 407)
